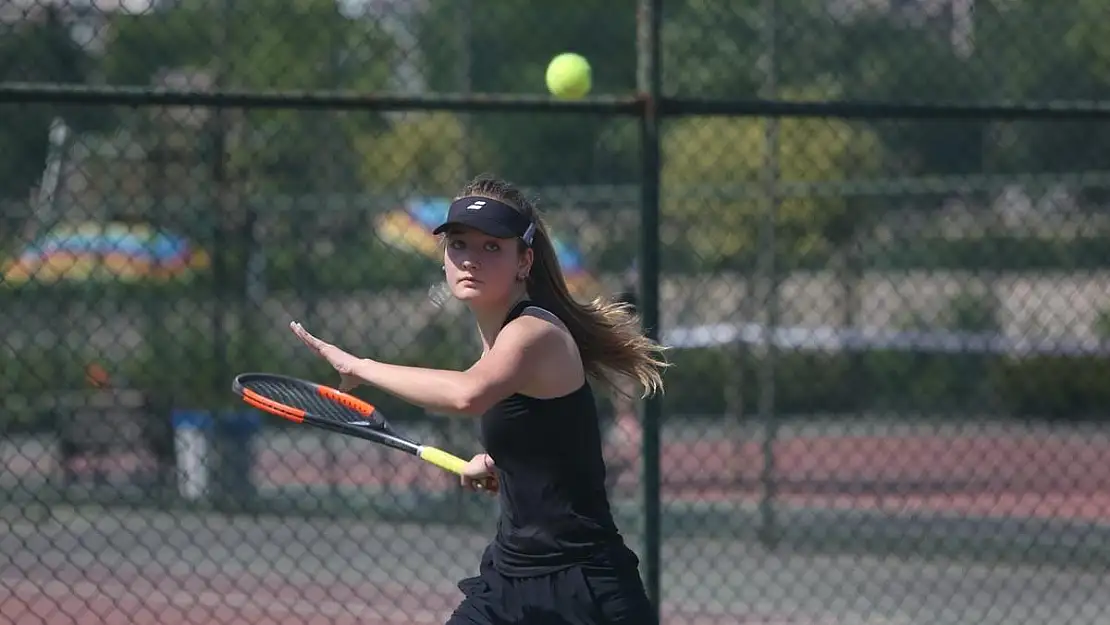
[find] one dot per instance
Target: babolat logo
(476, 206)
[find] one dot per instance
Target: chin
(475, 296)
(467, 293)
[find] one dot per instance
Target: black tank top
(554, 507)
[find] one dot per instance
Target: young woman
(557, 557)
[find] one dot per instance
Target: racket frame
(383, 435)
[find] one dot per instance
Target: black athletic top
(554, 507)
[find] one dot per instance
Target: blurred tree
(1017, 51)
(871, 54)
(698, 36)
(887, 60)
(711, 177)
(422, 153)
(39, 50)
(1089, 37)
(1047, 52)
(266, 44)
(721, 50)
(504, 47)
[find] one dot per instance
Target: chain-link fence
(888, 299)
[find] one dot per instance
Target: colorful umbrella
(410, 228)
(112, 251)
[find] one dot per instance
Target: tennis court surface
(943, 494)
(95, 566)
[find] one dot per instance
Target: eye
(493, 247)
(456, 244)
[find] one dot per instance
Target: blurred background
(889, 312)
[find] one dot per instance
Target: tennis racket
(324, 407)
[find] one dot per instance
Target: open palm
(340, 360)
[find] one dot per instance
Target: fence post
(767, 274)
(649, 82)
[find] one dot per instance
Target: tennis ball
(568, 76)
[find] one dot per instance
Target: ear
(526, 260)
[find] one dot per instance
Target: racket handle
(442, 459)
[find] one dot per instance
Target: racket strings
(308, 400)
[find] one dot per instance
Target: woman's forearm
(433, 389)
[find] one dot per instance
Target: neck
(491, 319)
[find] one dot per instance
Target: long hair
(607, 334)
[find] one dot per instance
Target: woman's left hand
(343, 362)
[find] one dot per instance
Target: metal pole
(767, 271)
(220, 186)
(649, 82)
(466, 79)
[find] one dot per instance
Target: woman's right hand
(479, 475)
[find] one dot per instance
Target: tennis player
(557, 557)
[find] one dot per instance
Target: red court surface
(1021, 476)
(995, 476)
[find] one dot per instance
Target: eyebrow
(479, 233)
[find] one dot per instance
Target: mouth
(469, 280)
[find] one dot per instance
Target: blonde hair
(608, 334)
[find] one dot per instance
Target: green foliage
(994, 253)
(36, 51)
(721, 227)
(1061, 387)
(29, 378)
(719, 50)
(304, 45)
(355, 261)
(422, 154)
(826, 383)
(504, 47)
(1102, 326)
(187, 365)
(1045, 52)
(1089, 37)
(808, 383)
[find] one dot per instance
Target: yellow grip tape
(442, 459)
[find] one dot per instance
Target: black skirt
(579, 595)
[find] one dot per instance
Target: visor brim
(491, 227)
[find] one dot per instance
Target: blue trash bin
(236, 431)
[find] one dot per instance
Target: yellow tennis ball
(568, 76)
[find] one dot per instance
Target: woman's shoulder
(535, 322)
(554, 345)
(539, 322)
(543, 325)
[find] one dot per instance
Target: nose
(469, 263)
